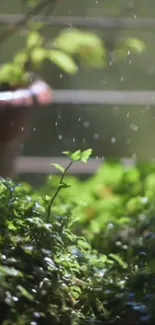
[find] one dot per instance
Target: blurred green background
(108, 130)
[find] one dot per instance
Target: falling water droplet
(15, 298)
(86, 124)
(95, 136)
(60, 137)
(113, 140)
(134, 127)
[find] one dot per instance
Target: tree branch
(23, 19)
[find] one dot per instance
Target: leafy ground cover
(79, 252)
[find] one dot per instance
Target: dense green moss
(50, 274)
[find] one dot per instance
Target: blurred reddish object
(15, 112)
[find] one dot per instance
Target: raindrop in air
(96, 136)
(134, 127)
(86, 124)
(113, 140)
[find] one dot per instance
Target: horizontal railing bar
(42, 165)
(83, 22)
(86, 97)
(90, 97)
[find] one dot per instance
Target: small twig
(23, 20)
(58, 190)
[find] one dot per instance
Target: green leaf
(85, 155)
(76, 156)
(3, 188)
(69, 40)
(88, 46)
(38, 55)
(10, 271)
(63, 61)
(11, 226)
(118, 260)
(11, 73)
(75, 291)
(57, 166)
(67, 153)
(92, 50)
(25, 293)
(34, 40)
(64, 185)
(32, 3)
(79, 155)
(135, 44)
(21, 57)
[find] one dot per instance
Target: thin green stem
(58, 190)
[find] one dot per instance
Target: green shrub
(51, 274)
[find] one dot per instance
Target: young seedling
(81, 156)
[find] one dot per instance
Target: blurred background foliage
(109, 130)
